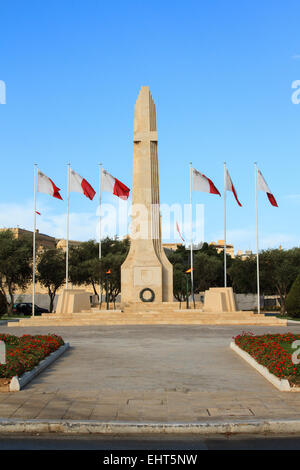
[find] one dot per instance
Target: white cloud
(83, 225)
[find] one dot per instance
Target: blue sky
(221, 75)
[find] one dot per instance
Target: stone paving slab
(149, 374)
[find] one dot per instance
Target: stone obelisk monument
(146, 274)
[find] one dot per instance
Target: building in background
(244, 254)
(220, 247)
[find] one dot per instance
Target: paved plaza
(149, 374)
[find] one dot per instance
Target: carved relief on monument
(150, 276)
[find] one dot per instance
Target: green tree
(3, 304)
(208, 271)
(15, 266)
(51, 274)
(181, 287)
(278, 270)
(86, 268)
(293, 299)
(243, 274)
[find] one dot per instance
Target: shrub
(293, 299)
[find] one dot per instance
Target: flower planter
(262, 357)
(26, 357)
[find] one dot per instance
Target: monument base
(94, 317)
(73, 300)
(219, 299)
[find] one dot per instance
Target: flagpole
(257, 248)
(191, 221)
(68, 224)
(100, 251)
(225, 259)
(34, 239)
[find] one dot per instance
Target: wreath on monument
(151, 298)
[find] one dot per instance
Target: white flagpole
(100, 252)
(191, 221)
(34, 239)
(68, 224)
(257, 247)
(225, 260)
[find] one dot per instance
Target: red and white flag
(229, 186)
(114, 186)
(262, 186)
(46, 185)
(204, 184)
(81, 185)
(177, 228)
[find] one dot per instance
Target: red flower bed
(24, 353)
(274, 352)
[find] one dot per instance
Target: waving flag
(229, 186)
(177, 228)
(114, 186)
(262, 186)
(81, 185)
(46, 185)
(204, 184)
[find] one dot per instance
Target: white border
(17, 383)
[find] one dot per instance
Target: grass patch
(288, 317)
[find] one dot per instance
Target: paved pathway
(149, 373)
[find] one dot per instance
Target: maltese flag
(80, 185)
(114, 186)
(46, 185)
(262, 186)
(177, 228)
(229, 186)
(202, 183)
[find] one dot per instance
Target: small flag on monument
(204, 184)
(81, 185)
(262, 186)
(114, 186)
(46, 185)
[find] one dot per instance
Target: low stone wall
(246, 301)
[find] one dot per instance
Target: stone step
(218, 319)
(152, 317)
